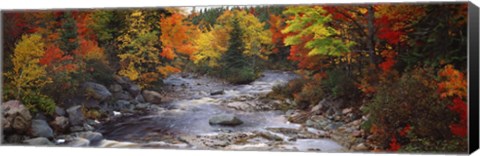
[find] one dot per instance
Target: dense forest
(398, 69)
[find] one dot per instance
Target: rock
(92, 137)
(15, 139)
(319, 106)
(93, 123)
(41, 141)
(357, 122)
(87, 127)
(360, 147)
(115, 88)
(309, 123)
(357, 133)
(75, 115)
(346, 110)
(97, 91)
(40, 128)
(270, 136)
(76, 129)
(217, 92)
(16, 117)
(142, 106)
(337, 118)
(152, 96)
(122, 105)
(289, 112)
(121, 80)
(134, 90)
(79, 142)
(40, 116)
(238, 105)
(225, 120)
(122, 96)
(139, 98)
(60, 124)
(333, 126)
(59, 111)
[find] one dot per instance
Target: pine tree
(68, 38)
(236, 68)
(234, 57)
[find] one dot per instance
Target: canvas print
(384, 77)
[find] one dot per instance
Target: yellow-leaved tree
(138, 55)
(27, 73)
(28, 76)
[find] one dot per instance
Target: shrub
(310, 94)
(243, 75)
(411, 100)
(91, 113)
(340, 85)
(35, 102)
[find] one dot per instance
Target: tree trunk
(371, 35)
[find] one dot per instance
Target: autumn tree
(27, 73)
(311, 37)
(254, 37)
(177, 38)
(139, 56)
(28, 76)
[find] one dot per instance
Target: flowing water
(184, 120)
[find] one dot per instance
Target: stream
(190, 101)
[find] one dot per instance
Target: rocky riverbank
(74, 123)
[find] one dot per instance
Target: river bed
(190, 101)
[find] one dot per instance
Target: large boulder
(75, 115)
(60, 124)
(97, 91)
(225, 120)
(152, 96)
(40, 141)
(16, 117)
(40, 128)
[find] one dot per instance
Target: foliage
(394, 104)
(287, 91)
(68, 36)
(36, 102)
(455, 86)
(27, 73)
(177, 36)
(312, 21)
(234, 61)
(139, 56)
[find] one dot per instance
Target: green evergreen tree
(68, 38)
(235, 65)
